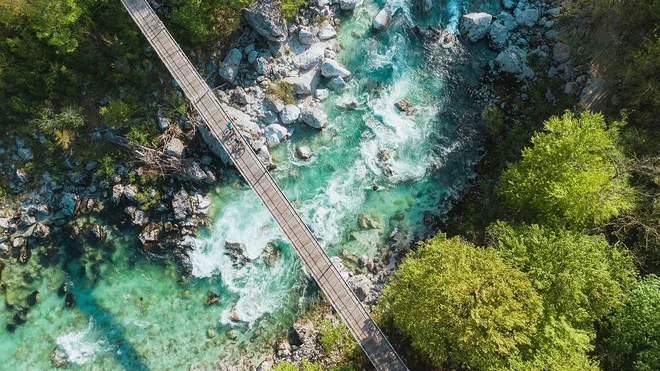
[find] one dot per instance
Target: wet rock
(210, 333)
(175, 148)
(290, 114)
(347, 4)
(63, 290)
(273, 104)
(275, 134)
(97, 232)
(382, 19)
(211, 298)
(229, 67)
(236, 252)
(321, 94)
(336, 83)
(271, 255)
(368, 221)
(361, 286)
(474, 26)
(234, 316)
(304, 152)
(41, 231)
(138, 217)
(150, 234)
(59, 359)
(70, 300)
(232, 334)
(181, 205)
(23, 255)
(314, 117)
(406, 106)
(266, 18)
(33, 298)
(68, 204)
(331, 68)
(283, 349)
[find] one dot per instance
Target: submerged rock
(236, 252)
(271, 254)
(406, 106)
(304, 152)
(211, 298)
(33, 298)
(70, 300)
(382, 20)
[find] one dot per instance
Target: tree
(569, 176)
(56, 22)
(634, 339)
(580, 277)
(459, 303)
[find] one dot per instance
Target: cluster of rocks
(528, 38)
(280, 73)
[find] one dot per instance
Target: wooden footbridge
(371, 339)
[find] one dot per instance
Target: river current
(140, 314)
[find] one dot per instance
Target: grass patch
(282, 91)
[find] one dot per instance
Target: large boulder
(561, 53)
(290, 114)
(181, 205)
(307, 35)
(327, 32)
(314, 117)
(474, 26)
(383, 19)
(498, 35)
(150, 234)
(527, 17)
(509, 4)
(229, 67)
(174, 148)
(331, 68)
(305, 84)
(309, 58)
(265, 17)
(275, 134)
(511, 60)
(347, 4)
(361, 286)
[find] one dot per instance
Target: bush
(282, 91)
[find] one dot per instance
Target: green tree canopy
(569, 175)
(634, 339)
(459, 303)
(580, 277)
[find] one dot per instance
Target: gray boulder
(150, 234)
(275, 134)
(331, 68)
(229, 67)
(181, 205)
(307, 35)
(174, 148)
(309, 58)
(361, 286)
(336, 83)
(507, 20)
(498, 35)
(304, 152)
(347, 4)
(266, 18)
(561, 53)
(138, 217)
(511, 60)
(382, 20)
(305, 84)
(273, 104)
(240, 96)
(327, 32)
(314, 117)
(527, 18)
(290, 114)
(509, 4)
(474, 26)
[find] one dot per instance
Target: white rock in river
(331, 68)
(327, 32)
(229, 67)
(304, 152)
(290, 114)
(347, 4)
(383, 19)
(314, 117)
(527, 18)
(275, 134)
(321, 94)
(474, 26)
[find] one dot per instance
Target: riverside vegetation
(548, 261)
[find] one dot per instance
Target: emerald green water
(138, 313)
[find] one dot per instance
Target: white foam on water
(78, 350)
(453, 8)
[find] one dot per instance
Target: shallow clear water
(140, 314)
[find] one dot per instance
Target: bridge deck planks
(317, 262)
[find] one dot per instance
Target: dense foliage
(461, 304)
(570, 167)
(634, 339)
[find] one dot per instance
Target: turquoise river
(140, 314)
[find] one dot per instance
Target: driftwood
(154, 159)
